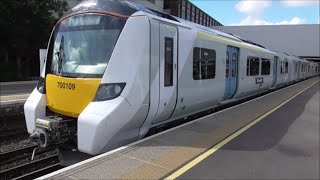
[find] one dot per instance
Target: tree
(25, 27)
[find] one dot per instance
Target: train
(115, 70)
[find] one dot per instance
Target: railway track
(16, 152)
(7, 135)
(40, 172)
(12, 140)
(32, 169)
(11, 120)
(20, 154)
(17, 163)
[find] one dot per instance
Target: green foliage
(27, 23)
(25, 26)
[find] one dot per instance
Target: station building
(301, 40)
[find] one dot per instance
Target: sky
(261, 12)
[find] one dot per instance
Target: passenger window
(168, 67)
(196, 63)
(253, 66)
(286, 67)
(204, 63)
(265, 66)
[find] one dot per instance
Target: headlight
(41, 86)
(109, 91)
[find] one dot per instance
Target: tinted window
(204, 62)
(284, 67)
(168, 67)
(82, 45)
(253, 66)
(265, 66)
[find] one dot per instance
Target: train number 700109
(70, 86)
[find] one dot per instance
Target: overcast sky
(261, 12)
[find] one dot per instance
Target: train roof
(128, 8)
(208, 30)
(122, 7)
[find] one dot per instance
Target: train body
(114, 70)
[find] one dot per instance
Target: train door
(231, 71)
(275, 71)
(168, 72)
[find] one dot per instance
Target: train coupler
(53, 131)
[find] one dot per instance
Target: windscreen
(82, 45)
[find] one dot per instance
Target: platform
(273, 136)
(15, 92)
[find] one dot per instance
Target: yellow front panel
(69, 96)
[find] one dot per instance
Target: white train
(115, 69)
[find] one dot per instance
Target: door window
(168, 60)
(227, 64)
(234, 65)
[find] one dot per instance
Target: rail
(30, 168)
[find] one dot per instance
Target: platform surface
(284, 145)
(164, 154)
(15, 92)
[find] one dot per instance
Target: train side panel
(197, 94)
(251, 84)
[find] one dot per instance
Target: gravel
(14, 144)
(27, 159)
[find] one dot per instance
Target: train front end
(75, 98)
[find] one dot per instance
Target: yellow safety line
(198, 159)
